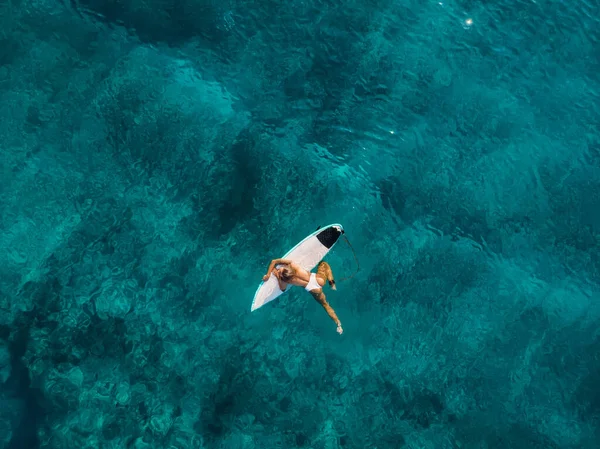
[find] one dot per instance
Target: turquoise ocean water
(156, 155)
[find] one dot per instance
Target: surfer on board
(288, 272)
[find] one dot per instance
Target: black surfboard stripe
(329, 236)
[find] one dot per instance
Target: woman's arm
(272, 266)
(282, 285)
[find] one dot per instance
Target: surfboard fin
(318, 227)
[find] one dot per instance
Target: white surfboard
(308, 253)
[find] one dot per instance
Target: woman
(289, 272)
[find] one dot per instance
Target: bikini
(312, 283)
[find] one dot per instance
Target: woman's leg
(324, 270)
(321, 299)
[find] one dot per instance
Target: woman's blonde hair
(287, 273)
